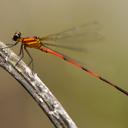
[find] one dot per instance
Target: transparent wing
(90, 32)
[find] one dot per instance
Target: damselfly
(40, 43)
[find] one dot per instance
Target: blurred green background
(89, 102)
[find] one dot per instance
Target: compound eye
(16, 36)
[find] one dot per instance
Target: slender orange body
(39, 43)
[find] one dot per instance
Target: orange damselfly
(40, 43)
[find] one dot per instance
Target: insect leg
(31, 59)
